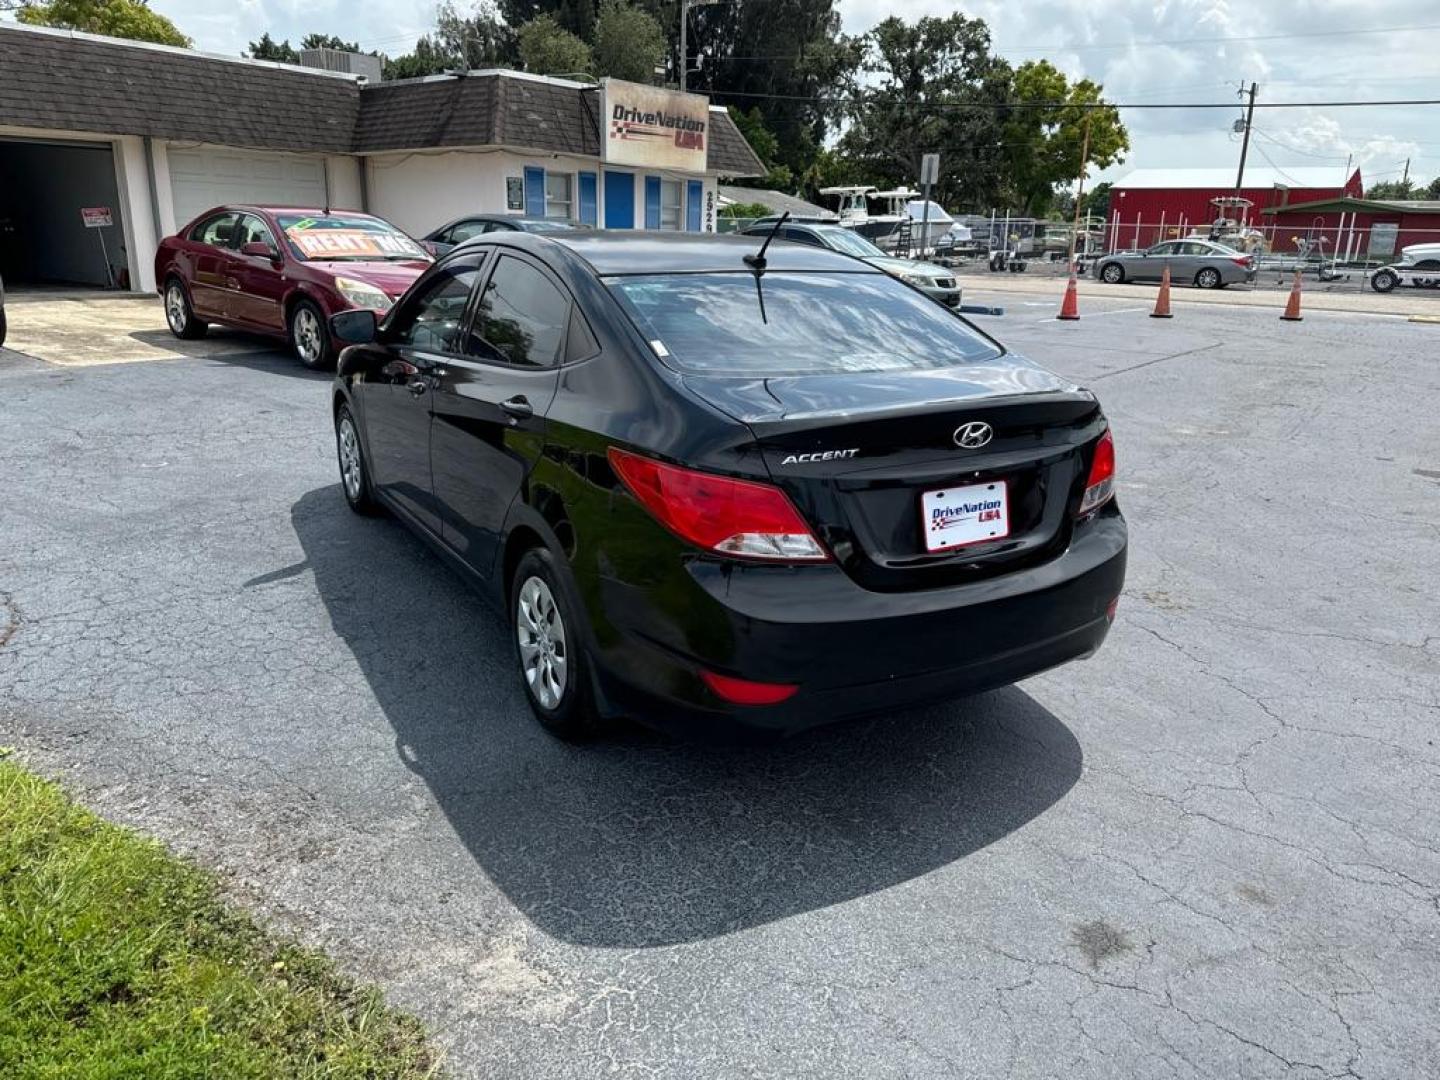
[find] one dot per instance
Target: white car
(1419, 267)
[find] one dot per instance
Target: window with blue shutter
(619, 200)
(693, 205)
(588, 208)
(534, 191)
(652, 202)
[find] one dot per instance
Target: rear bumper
(851, 651)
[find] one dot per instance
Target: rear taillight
(732, 517)
(1246, 261)
(1100, 484)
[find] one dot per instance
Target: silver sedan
(1201, 262)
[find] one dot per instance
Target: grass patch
(118, 959)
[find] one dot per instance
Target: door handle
(418, 385)
(517, 408)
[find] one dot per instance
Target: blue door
(692, 205)
(534, 191)
(652, 202)
(587, 198)
(619, 200)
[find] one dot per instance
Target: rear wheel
(179, 315)
(547, 633)
(1208, 278)
(309, 337)
(1384, 280)
(1112, 273)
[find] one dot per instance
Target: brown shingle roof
(77, 82)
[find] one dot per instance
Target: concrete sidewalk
(80, 329)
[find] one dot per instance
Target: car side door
(490, 404)
(1150, 264)
(413, 350)
(210, 277)
(258, 282)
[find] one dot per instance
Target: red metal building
(1148, 205)
(1358, 228)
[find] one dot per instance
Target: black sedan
(454, 233)
(710, 486)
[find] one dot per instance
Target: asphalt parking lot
(1209, 851)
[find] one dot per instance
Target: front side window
(557, 195)
(432, 320)
(254, 231)
(346, 238)
(809, 324)
(217, 231)
(672, 206)
(848, 243)
(522, 316)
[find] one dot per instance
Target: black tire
(179, 315)
(568, 713)
(1383, 281)
(1112, 273)
(354, 472)
(310, 336)
(2, 327)
(1208, 278)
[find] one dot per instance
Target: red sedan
(283, 271)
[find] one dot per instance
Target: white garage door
(200, 179)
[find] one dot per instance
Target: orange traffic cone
(1070, 306)
(1162, 302)
(1292, 306)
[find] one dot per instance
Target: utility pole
(1245, 143)
(1405, 180)
(685, 6)
(1080, 188)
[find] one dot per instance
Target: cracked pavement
(1209, 851)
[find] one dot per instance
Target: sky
(1140, 50)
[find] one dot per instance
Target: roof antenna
(756, 262)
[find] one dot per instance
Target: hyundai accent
(714, 484)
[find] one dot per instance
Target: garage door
(200, 179)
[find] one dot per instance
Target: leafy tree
(267, 48)
(932, 86)
(547, 48)
(1391, 189)
(116, 18)
(1433, 191)
(329, 41)
(629, 43)
(745, 210)
(461, 41)
(767, 148)
(1096, 201)
(1044, 138)
(576, 16)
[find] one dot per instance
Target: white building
(156, 135)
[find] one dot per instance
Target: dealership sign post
(100, 218)
(651, 127)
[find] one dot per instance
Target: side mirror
(260, 251)
(355, 327)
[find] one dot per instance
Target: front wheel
(1383, 281)
(179, 315)
(1209, 278)
(1112, 274)
(354, 476)
(548, 648)
(309, 337)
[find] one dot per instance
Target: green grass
(119, 960)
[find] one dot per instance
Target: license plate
(961, 516)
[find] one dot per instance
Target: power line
(1084, 105)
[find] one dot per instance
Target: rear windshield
(811, 323)
(354, 237)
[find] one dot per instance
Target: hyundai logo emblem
(973, 435)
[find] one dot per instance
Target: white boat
(884, 229)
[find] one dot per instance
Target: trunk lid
(856, 453)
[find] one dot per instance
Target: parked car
(2, 312)
(283, 271)
(458, 231)
(937, 282)
(1202, 262)
(1419, 268)
(708, 489)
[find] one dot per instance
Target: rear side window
(522, 316)
(465, 230)
(810, 323)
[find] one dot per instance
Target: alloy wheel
(175, 308)
(307, 336)
(1208, 278)
(544, 654)
(351, 469)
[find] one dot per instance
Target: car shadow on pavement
(641, 840)
(236, 348)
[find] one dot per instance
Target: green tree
(629, 43)
(762, 140)
(1097, 201)
(1391, 189)
(267, 48)
(1433, 191)
(547, 48)
(576, 16)
(1045, 136)
(115, 18)
(931, 86)
(460, 41)
(329, 41)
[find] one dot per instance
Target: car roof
(635, 252)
